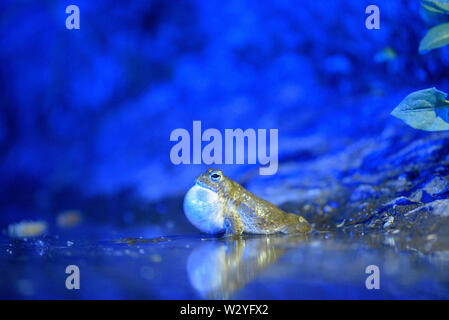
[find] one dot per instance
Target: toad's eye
(214, 176)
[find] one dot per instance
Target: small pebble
(69, 219)
(26, 229)
(389, 222)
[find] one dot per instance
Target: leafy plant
(437, 36)
(428, 109)
(425, 109)
(437, 6)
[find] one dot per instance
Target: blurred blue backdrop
(89, 112)
(86, 115)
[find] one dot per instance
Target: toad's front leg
(234, 224)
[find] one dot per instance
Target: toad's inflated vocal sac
(216, 204)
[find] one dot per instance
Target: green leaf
(433, 9)
(436, 37)
(426, 110)
(437, 6)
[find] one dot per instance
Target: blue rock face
(85, 121)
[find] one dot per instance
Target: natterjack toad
(218, 204)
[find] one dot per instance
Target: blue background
(86, 115)
(90, 111)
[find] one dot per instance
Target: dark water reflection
(321, 265)
(217, 269)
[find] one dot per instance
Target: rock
(436, 185)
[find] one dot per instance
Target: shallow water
(329, 265)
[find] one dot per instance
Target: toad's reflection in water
(220, 267)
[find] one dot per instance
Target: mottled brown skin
(244, 212)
